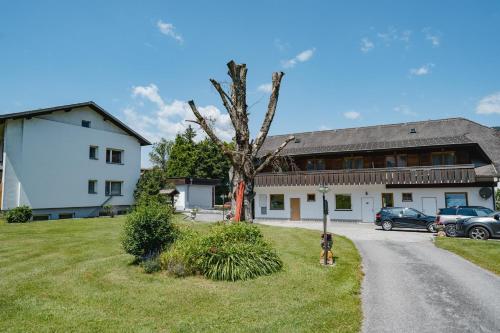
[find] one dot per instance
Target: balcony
(454, 174)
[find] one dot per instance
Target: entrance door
(295, 209)
(367, 212)
(429, 206)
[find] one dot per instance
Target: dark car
(482, 227)
(401, 217)
(450, 215)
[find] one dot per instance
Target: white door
(429, 206)
(367, 212)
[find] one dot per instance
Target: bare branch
(206, 127)
(226, 100)
(271, 110)
(271, 156)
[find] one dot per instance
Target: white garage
(194, 193)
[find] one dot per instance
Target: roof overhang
(67, 108)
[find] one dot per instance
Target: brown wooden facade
(420, 157)
(436, 175)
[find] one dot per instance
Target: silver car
(449, 216)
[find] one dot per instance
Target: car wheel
(451, 230)
(431, 227)
(479, 233)
(387, 225)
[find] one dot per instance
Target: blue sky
(347, 64)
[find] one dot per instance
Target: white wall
(313, 210)
(200, 196)
(180, 203)
(194, 196)
(49, 162)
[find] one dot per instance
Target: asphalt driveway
(412, 286)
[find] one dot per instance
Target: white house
(68, 161)
(424, 165)
(194, 192)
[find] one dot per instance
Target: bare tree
(244, 156)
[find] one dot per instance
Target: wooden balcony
(455, 174)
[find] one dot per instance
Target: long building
(424, 165)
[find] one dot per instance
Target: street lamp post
(323, 189)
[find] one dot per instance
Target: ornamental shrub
(181, 259)
(237, 251)
(230, 252)
(21, 214)
(148, 230)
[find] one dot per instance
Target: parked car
(449, 216)
(482, 227)
(401, 217)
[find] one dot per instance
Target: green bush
(181, 259)
(151, 265)
(21, 214)
(148, 230)
(230, 252)
(237, 251)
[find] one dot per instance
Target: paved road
(412, 286)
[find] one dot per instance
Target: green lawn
(72, 275)
(483, 253)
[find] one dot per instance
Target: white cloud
(433, 37)
(489, 104)
(168, 119)
(366, 45)
(422, 70)
(394, 35)
(266, 88)
(352, 115)
(301, 57)
(280, 45)
(168, 29)
(406, 110)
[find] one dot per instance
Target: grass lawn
(72, 275)
(483, 253)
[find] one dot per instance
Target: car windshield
(484, 212)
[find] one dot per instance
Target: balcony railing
(455, 174)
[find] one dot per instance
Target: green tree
(149, 185)
(182, 159)
(202, 159)
(160, 153)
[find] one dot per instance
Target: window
(320, 164)
(92, 186)
(353, 163)
(114, 156)
(402, 160)
(93, 152)
(466, 212)
(387, 200)
(409, 212)
(315, 165)
(86, 123)
(310, 165)
(66, 216)
(43, 217)
(277, 202)
(447, 211)
(443, 158)
(390, 161)
(113, 188)
(311, 197)
(455, 199)
(343, 202)
(407, 197)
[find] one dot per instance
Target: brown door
(295, 209)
